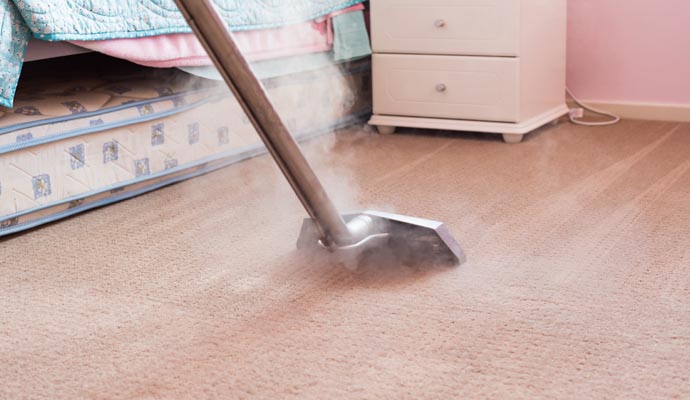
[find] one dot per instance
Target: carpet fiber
(577, 284)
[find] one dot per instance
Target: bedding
(184, 50)
(113, 19)
(14, 37)
(109, 19)
(81, 139)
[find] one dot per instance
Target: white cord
(577, 113)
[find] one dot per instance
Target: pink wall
(629, 50)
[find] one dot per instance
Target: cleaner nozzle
(410, 239)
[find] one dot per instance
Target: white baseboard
(648, 111)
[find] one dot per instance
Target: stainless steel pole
(221, 47)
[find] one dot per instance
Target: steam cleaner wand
(410, 238)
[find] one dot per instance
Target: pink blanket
(184, 50)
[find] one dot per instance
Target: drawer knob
(441, 87)
(440, 23)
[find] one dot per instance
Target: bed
(89, 130)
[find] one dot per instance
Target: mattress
(72, 144)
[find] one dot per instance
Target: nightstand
(493, 66)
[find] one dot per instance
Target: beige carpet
(577, 285)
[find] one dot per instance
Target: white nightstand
(493, 66)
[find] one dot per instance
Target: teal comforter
(111, 19)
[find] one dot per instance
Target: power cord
(576, 114)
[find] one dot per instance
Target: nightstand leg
(512, 138)
(385, 130)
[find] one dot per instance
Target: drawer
(456, 87)
(458, 27)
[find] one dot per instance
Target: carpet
(577, 283)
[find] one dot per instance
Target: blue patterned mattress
(72, 144)
(110, 19)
